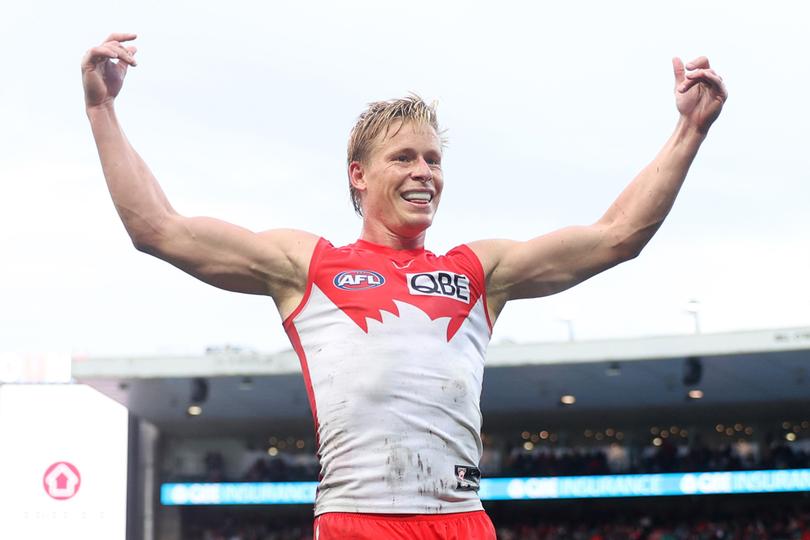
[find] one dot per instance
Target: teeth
(420, 196)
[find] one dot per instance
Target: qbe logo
(358, 280)
(704, 483)
(61, 480)
(439, 283)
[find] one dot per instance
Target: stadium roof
(751, 370)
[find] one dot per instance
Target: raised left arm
(559, 260)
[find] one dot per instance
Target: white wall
(44, 424)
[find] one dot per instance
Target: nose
(421, 171)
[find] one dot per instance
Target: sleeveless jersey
(392, 346)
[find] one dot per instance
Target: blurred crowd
(782, 526)
(515, 460)
(255, 531)
(740, 527)
(666, 458)
(253, 467)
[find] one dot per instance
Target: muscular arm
(219, 253)
(557, 261)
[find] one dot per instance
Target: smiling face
(400, 184)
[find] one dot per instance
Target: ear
(357, 176)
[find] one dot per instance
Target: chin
(417, 226)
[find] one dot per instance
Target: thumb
(678, 69)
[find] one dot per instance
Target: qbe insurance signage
(63, 461)
(506, 489)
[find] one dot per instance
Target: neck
(387, 238)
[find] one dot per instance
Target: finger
(123, 52)
(705, 75)
(685, 86)
(121, 37)
(716, 81)
(97, 55)
(701, 62)
(700, 72)
(708, 77)
(132, 51)
(678, 69)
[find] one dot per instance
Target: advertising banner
(63, 461)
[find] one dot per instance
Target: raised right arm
(225, 255)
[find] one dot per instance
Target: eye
(402, 157)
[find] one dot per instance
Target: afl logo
(358, 280)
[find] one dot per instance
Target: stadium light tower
(693, 308)
(567, 313)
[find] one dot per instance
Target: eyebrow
(411, 149)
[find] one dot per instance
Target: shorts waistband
(405, 517)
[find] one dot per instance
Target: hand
(699, 92)
(104, 68)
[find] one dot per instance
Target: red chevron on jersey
(364, 279)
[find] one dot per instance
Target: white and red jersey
(392, 346)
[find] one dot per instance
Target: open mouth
(418, 197)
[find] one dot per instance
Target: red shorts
(351, 526)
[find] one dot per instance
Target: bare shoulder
(490, 252)
(296, 245)
(294, 248)
(288, 252)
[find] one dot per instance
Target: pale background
(243, 109)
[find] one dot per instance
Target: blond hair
(377, 119)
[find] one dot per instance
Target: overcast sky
(243, 110)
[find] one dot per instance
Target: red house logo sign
(62, 480)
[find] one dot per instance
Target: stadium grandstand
(689, 436)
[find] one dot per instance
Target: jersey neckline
(379, 248)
